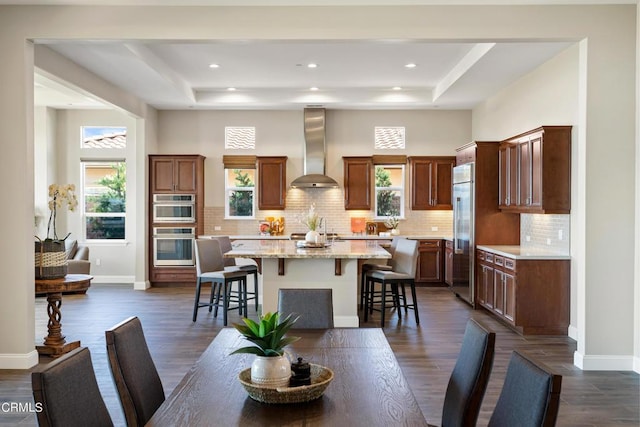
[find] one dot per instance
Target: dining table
(368, 387)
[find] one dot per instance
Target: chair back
(208, 256)
(67, 391)
(134, 372)
(530, 396)
(405, 258)
(225, 246)
(314, 306)
(470, 376)
(394, 244)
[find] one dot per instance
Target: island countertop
(351, 249)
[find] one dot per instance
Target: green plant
(268, 335)
(241, 202)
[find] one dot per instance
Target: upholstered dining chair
(210, 268)
(68, 392)
(137, 380)
(314, 306)
(530, 396)
(379, 265)
(225, 246)
(469, 378)
(404, 266)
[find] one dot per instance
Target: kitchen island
(283, 265)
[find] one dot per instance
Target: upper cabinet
(358, 182)
(272, 179)
(176, 173)
(535, 171)
(430, 182)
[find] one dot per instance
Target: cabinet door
(429, 261)
(535, 187)
(358, 181)
(431, 182)
(272, 177)
(185, 176)
(508, 175)
(509, 291)
(498, 291)
(448, 263)
(161, 175)
(441, 183)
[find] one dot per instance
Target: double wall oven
(174, 229)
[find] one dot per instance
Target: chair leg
(217, 304)
(197, 300)
(243, 285)
(383, 303)
(363, 279)
(225, 297)
(415, 302)
(211, 296)
(396, 299)
(255, 289)
(368, 284)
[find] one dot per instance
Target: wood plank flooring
(426, 353)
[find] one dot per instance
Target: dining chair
(368, 266)
(225, 246)
(470, 376)
(67, 392)
(134, 373)
(210, 268)
(404, 266)
(314, 306)
(530, 396)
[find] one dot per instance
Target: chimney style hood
(314, 152)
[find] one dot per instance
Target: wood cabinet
(430, 181)
(272, 181)
(175, 174)
(535, 171)
(530, 295)
(358, 182)
(448, 262)
(430, 261)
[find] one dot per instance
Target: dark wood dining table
(368, 388)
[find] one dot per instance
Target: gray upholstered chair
(404, 265)
(68, 392)
(314, 306)
(210, 268)
(133, 371)
(530, 396)
(470, 376)
(77, 257)
(225, 246)
(379, 265)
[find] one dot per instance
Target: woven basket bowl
(320, 379)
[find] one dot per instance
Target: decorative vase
(312, 236)
(395, 231)
(271, 371)
(50, 259)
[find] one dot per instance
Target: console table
(55, 344)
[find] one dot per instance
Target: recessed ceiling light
(313, 88)
(312, 65)
(397, 88)
(411, 65)
(214, 66)
(231, 89)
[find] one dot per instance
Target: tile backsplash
(329, 205)
(545, 231)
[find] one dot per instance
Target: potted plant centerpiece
(313, 222)
(50, 256)
(392, 223)
(271, 367)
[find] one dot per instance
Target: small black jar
(300, 373)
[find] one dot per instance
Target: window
(104, 196)
(104, 137)
(389, 190)
(240, 193)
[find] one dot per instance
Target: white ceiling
(274, 75)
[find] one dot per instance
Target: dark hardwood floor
(426, 353)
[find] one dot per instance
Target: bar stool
(404, 263)
(368, 266)
(210, 268)
(225, 246)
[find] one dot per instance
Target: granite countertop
(288, 249)
(341, 237)
(523, 252)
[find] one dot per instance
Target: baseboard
(572, 332)
(603, 362)
(113, 279)
(19, 361)
(636, 364)
(141, 286)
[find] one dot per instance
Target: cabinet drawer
(499, 261)
(429, 243)
(448, 244)
(481, 255)
(510, 263)
(489, 257)
(158, 275)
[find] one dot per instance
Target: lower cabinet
(173, 275)
(531, 296)
(448, 262)
(430, 261)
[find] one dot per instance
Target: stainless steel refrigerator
(464, 231)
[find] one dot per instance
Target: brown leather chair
(530, 396)
(67, 391)
(137, 380)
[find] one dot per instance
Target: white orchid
(61, 195)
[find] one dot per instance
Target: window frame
(85, 215)
(400, 189)
(228, 189)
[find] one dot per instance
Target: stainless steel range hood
(314, 152)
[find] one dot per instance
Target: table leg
(54, 343)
